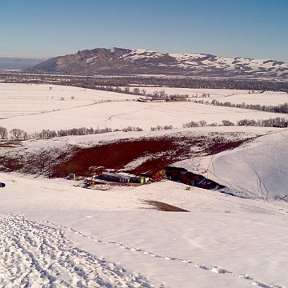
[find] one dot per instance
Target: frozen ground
(18, 100)
(261, 167)
(36, 107)
(257, 169)
(226, 95)
(61, 235)
(56, 234)
(53, 234)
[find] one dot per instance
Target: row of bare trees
(281, 108)
(18, 134)
(161, 94)
(15, 134)
(272, 122)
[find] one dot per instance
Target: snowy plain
(53, 234)
(101, 109)
(30, 99)
(225, 95)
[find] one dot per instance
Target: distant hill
(7, 63)
(119, 61)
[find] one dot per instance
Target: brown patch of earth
(161, 206)
(160, 152)
(113, 155)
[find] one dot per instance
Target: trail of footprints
(39, 255)
(213, 269)
(36, 255)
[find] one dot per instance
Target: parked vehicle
(2, 185)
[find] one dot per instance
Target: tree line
(92, 82)
(19, 134)
(272, 122)
(281, 108)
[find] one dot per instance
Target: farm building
(123, 178)
(115, 177)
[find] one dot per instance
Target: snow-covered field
(19, 100)
(265, 98)
(225, 95)
(54, 234)
(90, 108)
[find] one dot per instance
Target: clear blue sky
(45, 28)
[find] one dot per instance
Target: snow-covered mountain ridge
(141, 61)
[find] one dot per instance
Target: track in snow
(37, 255)
(249, 280)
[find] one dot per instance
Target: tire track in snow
(36, 255)
(67, 108)
(236, 191)
(260, 184)
(129, 113)
(212, 269)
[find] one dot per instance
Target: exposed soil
(219, 146)
(113, 155)
(161, 152)
(161, 206)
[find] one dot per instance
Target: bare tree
(18, 134)
(3, 133)
(227, 123)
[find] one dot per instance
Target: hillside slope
(55, 235)
(258, 169)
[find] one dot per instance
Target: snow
(143, 115)
(266, 98)
(226, 95)
(267, 181)
(34, 109)
(140, 54)
(115, 239)
(30, 99)
(254, 170)
(197, 61)
(56, 234)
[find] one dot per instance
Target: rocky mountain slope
(119, 61)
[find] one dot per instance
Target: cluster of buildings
(117, 177)
(172, 173)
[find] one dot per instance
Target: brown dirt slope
(160, 151)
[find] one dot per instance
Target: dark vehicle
(2, 185)
(189, 178)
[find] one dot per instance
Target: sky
(244, 28)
